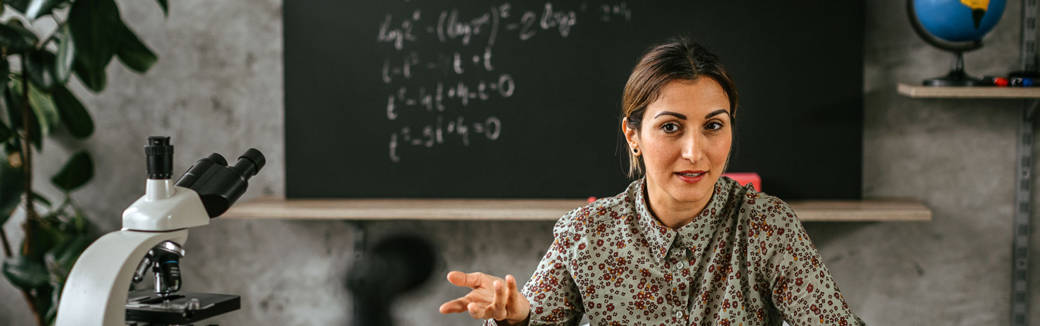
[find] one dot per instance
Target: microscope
(155, 227)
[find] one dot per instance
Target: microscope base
(145, 308)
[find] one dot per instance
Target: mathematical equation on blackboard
(446, 90)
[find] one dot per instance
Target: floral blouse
(745, 260)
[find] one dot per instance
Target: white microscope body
(98, 285)
(97, 289)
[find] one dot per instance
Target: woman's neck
(671, 212)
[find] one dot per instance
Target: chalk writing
(435, 97)
(441, 75)
(440, 132)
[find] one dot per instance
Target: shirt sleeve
(803, 291)
(553, 295)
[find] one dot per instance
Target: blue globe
(959, 20)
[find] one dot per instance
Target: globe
(957, 26)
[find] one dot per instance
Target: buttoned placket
(683, 256)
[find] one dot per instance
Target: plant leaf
(37, 197)
(133, 53)
(12, 186)
(43, 108)
(40, 66)
(165, 7)
(66, 54)
(43, 297)
(93, 24)
(93, 79)
(25, 273)
(76, 172)
(13, 100)
(19, 5)
(15, 37)
(37, 8)
(75, 117)
(55, 298)
(5, 132)
(60, 259)
(78, 224)
(35, 133)
(5, 71)
(44, 237)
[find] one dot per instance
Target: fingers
(457, 278)
(513, 293)
(479, 311)
(476, 303)
(476, 279)
(454, 306)
(499, 302)
(471, 280)
(490, 298)
(512, 283)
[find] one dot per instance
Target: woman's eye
(714, 125)
(670, 127)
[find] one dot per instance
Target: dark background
(797, 66)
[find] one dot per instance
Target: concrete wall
(218, 88)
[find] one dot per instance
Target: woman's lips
(691, 176)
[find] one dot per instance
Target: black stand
(956, 78)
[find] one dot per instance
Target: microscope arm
(96, 290)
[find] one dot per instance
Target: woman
(680, 246)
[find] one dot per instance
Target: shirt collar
(693, 235)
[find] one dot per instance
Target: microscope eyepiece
(160, 157)
(219, 185)
(217, 158)
(199, 169)
(250, 163)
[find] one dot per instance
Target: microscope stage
(146, 308)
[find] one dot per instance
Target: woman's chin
(688, 194)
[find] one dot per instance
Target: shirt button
(678, 315)
(679, 265)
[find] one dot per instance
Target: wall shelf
(534, 209)
(1023, 207)
(916, 91)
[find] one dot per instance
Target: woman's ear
(631, 135)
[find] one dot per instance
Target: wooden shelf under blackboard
(535, 210)
(916, 91)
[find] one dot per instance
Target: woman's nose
(691, 148)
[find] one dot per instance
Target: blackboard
(521, 99)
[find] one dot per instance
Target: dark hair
(676, 59)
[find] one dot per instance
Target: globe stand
(956, 78)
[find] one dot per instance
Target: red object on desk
(744, 178)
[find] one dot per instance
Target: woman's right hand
(491, 297)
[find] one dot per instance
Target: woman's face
(684, 140)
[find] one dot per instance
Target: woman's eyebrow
(716, 112)
(677, 115)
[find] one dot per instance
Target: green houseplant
(86, 36)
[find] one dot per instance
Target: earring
(635, 151)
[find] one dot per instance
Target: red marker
(745, 178)
(1000, 81)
